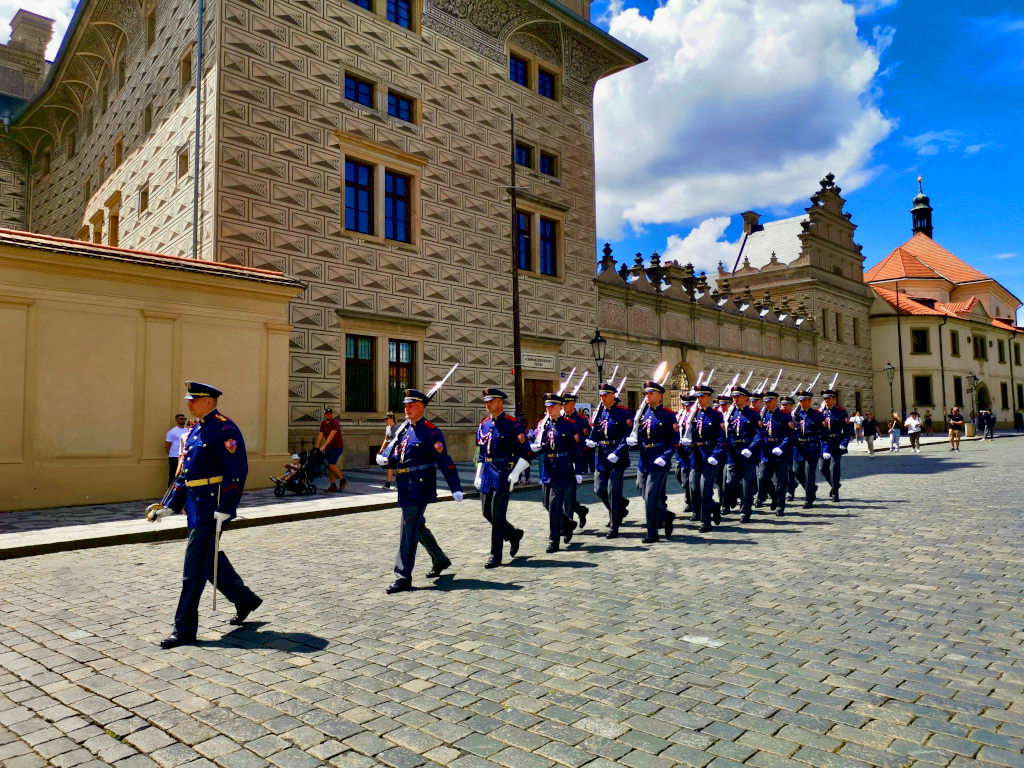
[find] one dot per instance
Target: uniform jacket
(419, 453)
(562, 460)
(582, 425)
(777, 432)
(611, 428)
(502, 442)
(684, 453)
(744, 431)
(659, 436)
(808, 431)
(836, 430)
(708, 435)
(213, 448)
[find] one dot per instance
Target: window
(824, 323)
(545, 84)
(358, 197)
(97, 227)
(144, 198)
(1016, 354)
(548, 254)
(399, 12)
(44, 163)
(839, 328)
(858, 401)
(1020, 394)
(358, 91)
(401, 359)
(88, 188)
(150, 29)
(400, 107)
(1004, 394)
(183, 162)
(1002, 351)
(362, 4)
(113, 238)
(121, 72)
(958, 391)
(396, 206)
(633, 398)
(185, 69)
(518, 70)
(548, 164)
(923, 390)
(523, 239)
(919, 341)
(954, 343)
(71, 144)
(524, 155)
(856, 335)
(359, 394)
(980, 348)
(118, 151)
(147, 119)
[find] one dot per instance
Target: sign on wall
(538, 362)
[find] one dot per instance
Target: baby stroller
(301, 480)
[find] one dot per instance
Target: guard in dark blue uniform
(836, 433)
(807, 428)
(612, 424)
(787, 404)
(418, 454)
(725, 503)
(208, 489)
(777, 457)
(706, 437)
(743, 439)
(504, 456)
(583, 427)
(561, 468)
(684, 459)
(658, 436)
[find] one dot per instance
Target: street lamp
(972, 388)
(890, 374)
(598, 345)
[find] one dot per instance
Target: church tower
(921, 212)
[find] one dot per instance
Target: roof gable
(951, 267)
(899, 265)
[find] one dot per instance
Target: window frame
(541, 156)
(393, 198)
(359, 187)
(958, 391)
(143, 199)
(1001, 350)
(350, 390)
(360, 80)
(926, 380)
(410, 12)
(528, 149)
(534, 66)
(151, 28)
(927, 350)
(379, 9)
(184, 86)
(954, 343)
(382, 329)
(414, 106)
(394, 390)
(980, 345)
(538, 210)
(519, 59)
(1004, 394)
(118, 153)
(554, 243)
(183, 151)
(543, 71)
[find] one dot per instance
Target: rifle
(810, 386)
(600, 406)
(387, 450)
(830, 386)
(634, 435)
(547, 419)
(728, 391)
(686, 416)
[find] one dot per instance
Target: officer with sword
(583, 427)
(836, 433)
(612, 424)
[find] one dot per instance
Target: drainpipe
(199, 113)
(899, 339)
(1013, 389)
(942, 369)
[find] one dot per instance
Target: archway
(679, 381)
(984, 398)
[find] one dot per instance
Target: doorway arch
(984, 398)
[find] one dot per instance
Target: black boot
(174, 640)
(399, 585)
(514, 542)
(552, 547)
(434, 572)
(241, 614)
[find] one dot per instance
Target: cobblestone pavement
(886, 631)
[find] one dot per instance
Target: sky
(746, 104)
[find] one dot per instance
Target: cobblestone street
(884, 631)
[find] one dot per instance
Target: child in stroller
(299, 477)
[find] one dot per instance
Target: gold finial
(919, 187)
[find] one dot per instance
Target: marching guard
(807, 427)
(684, 459)
(208, 488)
(836, 433)
(583, 428)
(419, 452)
(612, 424)
(504, 456)
(558, 440)
(777, 460)
(707, 451)
(743, 439)
(658, 437)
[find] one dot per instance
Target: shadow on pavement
(451, 583)
(525, 561)
(248, 636)
(609, 548)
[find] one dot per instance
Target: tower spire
(921, 213)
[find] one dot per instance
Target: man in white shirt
(172, 444)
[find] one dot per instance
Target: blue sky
(732, 100)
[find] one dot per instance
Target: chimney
(31, 32)
(750, 220)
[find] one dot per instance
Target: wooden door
(533, 398)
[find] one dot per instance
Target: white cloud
(930, 142)
(60, 11)
(869, 7)
(743, 104)
(973, 149)
(703, 246)
(1005, 255)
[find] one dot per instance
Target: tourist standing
(389, 431)
(172, 444)
(870, 427)
(927, 422)
(956, 428)
(913, 427)
(858, 427)
(332, 444)
(895, 424)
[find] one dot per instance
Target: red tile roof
(907, 305)
(921, 257)
(959, 307)
(898, 265)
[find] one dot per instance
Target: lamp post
(890, 374)
(972, 388)
(598, 345)
(517, 342)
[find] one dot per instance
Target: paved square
(888, 631)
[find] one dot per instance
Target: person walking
(777, 457)
(927, 422)
(895, 424)
(172, 444)
(208, 488)
(743, 441)
(613, 422)
(956, 428)
(989, 422)
(835, 440)
(913, 426)
(657, 438)
(417, 456)
(330, 441)
(558, 441)
(808, 426)
(870, 427)
(705, 434)
(389, 431)
(858, 427)
(1018, 421)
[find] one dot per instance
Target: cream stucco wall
(95, 354)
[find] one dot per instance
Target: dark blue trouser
(609, 490)
(415, 531)
(683, 478)
(742, 473)
(198, 571)
(775, 476)
(830, 469)
(556, 502)
(495, 509)
(806, 469)
(654, 499)
(702, 488)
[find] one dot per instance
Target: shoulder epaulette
(221, 416)
(428, 425)
(510, 418)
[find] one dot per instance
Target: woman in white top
(894, 432)
(913, 426)
(858, 427)
(389, 430)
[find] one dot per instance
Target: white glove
(478, 480)
(535, 447)
(517, 472)
(590, 444)
(659, 462)
(155, 511)
(826, 455)
(382, 460)
(686, 440)
(745, 453)
(221, 517)
(579, 479)
(457, 495)
(612, 458)
(776, 451)
(631, 441)
(712, 461)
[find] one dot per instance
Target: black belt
(498, 458)
(655, 445)
(561, 455)
(417, 468)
